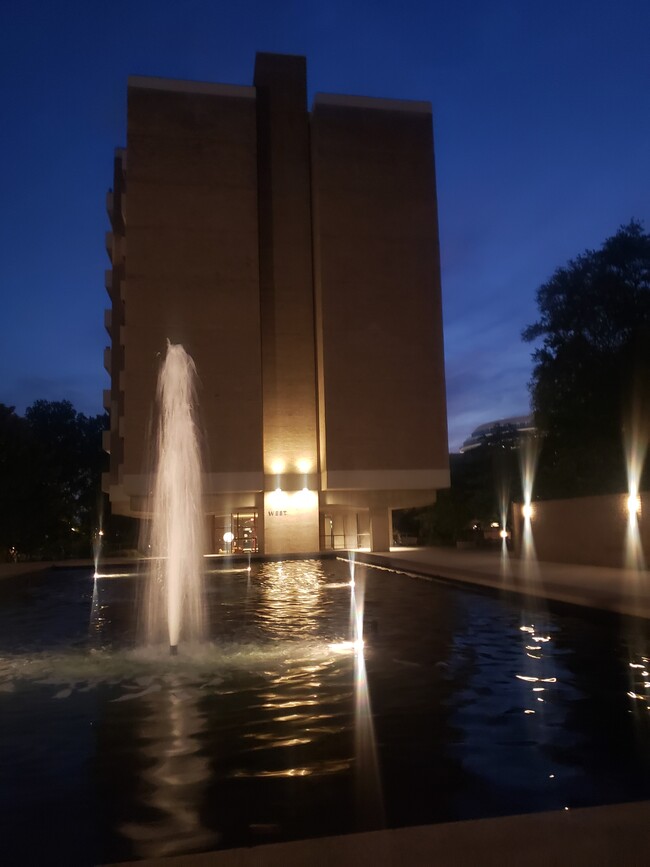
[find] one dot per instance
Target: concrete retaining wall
(590, 530)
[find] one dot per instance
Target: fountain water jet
(528, 456)
(636, 448)
(173, 608)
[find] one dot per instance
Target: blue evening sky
(542, 130)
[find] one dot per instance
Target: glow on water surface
(330, 697)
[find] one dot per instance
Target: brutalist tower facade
(295, 255)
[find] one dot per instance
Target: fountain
(286, 725)
(636, 447)
(528, 457)
(173, 604)
(268, 732)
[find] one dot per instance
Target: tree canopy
(591, 376)
(51, 462)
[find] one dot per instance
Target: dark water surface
(462, 704)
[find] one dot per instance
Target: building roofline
(411, 106)
(178, 85)
(287, 54)
(520, 421)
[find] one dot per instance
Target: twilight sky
(542, 131)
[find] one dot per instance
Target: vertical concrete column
(290, 522)
(380, 529)
(350, 525)
(209, 534)
(290, 425)
(259, 524)
(323, 532)
(363, 528)
(339, 530)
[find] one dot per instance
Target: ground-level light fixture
(228, 537)
(634, 504)
(527, 511)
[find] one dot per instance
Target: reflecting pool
(458, 704)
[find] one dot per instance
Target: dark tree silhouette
(591, 371)
(484, 481)
(15, 502)
(51, 463)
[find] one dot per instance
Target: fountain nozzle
(173, 649)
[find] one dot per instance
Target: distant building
(516, 426)
(295, 256)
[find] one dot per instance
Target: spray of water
(369, 796)
(636, 448)
(503, 497)
(173, 608)
(98, 538)
(528, 457)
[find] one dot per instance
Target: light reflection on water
(290, 598)
(636, 437)
(173, 781)
(285, 724)
(368, 791)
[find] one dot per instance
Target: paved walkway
(8, 570)
(625, 591)
(614, 836)
(33, 567)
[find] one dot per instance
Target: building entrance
(236, 533)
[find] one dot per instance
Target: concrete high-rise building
(295, 256)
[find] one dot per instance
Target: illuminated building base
(291, 522)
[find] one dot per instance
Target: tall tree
(591, 373)
(15, 499)
(66, 476)
(50, 469)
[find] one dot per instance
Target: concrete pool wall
(585, 530)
